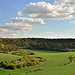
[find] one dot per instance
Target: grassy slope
(51, 67)
(8, 57)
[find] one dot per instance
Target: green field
(53, 66)
(8, 57)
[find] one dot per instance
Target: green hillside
(53, 66)
(8, 57)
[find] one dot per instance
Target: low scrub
(18, 52)
(23, 62)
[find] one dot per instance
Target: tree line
(37, 43)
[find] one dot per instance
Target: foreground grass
(8, 57)
(53, 66)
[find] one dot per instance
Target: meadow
(53, 66)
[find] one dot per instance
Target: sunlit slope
(53, 66)
(8, 57)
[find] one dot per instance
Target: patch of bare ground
(39, 69)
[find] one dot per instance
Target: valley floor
(53, 66)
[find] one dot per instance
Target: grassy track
(53, 66)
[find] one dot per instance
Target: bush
(39, 57)
(37, 62)
(24, 65)
(23, 62)
(42, 60)
(28, 64)
(3, 64)
(34, 63)
(32, 53)
(32, 60)
(19, 65)
(12, 66)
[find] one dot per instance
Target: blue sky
(37, 18)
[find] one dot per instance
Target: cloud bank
(67, 2)
(27, 20)
(73, 22)
(15, 28)
(47, 11)
(35, 13)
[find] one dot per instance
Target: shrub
(24, 65)
(12, 66)
(39, 57)
(19, 65)
(32, 53)
(28, 64)
(37, 62)
(34, 63)
(3, 64)
(41, 60)
(23, 62)
(32, 60)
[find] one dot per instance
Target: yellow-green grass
(8, 57)
(53, 66)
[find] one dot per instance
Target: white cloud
(51, 37)
(16, 27)
(24, 33)
(67, 2)
(47, 11)
(27, 20)
(62, 1)
(50, 33)
(3, 30)
(13, 34)
(73, 22)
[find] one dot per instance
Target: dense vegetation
(18, 52)
(25, 61)
(57, 62)
(15, 46)
(8, 47)
(10, 44)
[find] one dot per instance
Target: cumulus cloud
(15, 27)
(27, 20)
(61, 10)
(47, 11)
(3, 30)
(73, 22)
(67, 2)
(62, 1)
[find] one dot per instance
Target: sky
(37, 18)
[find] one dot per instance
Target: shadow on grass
(46, 51)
